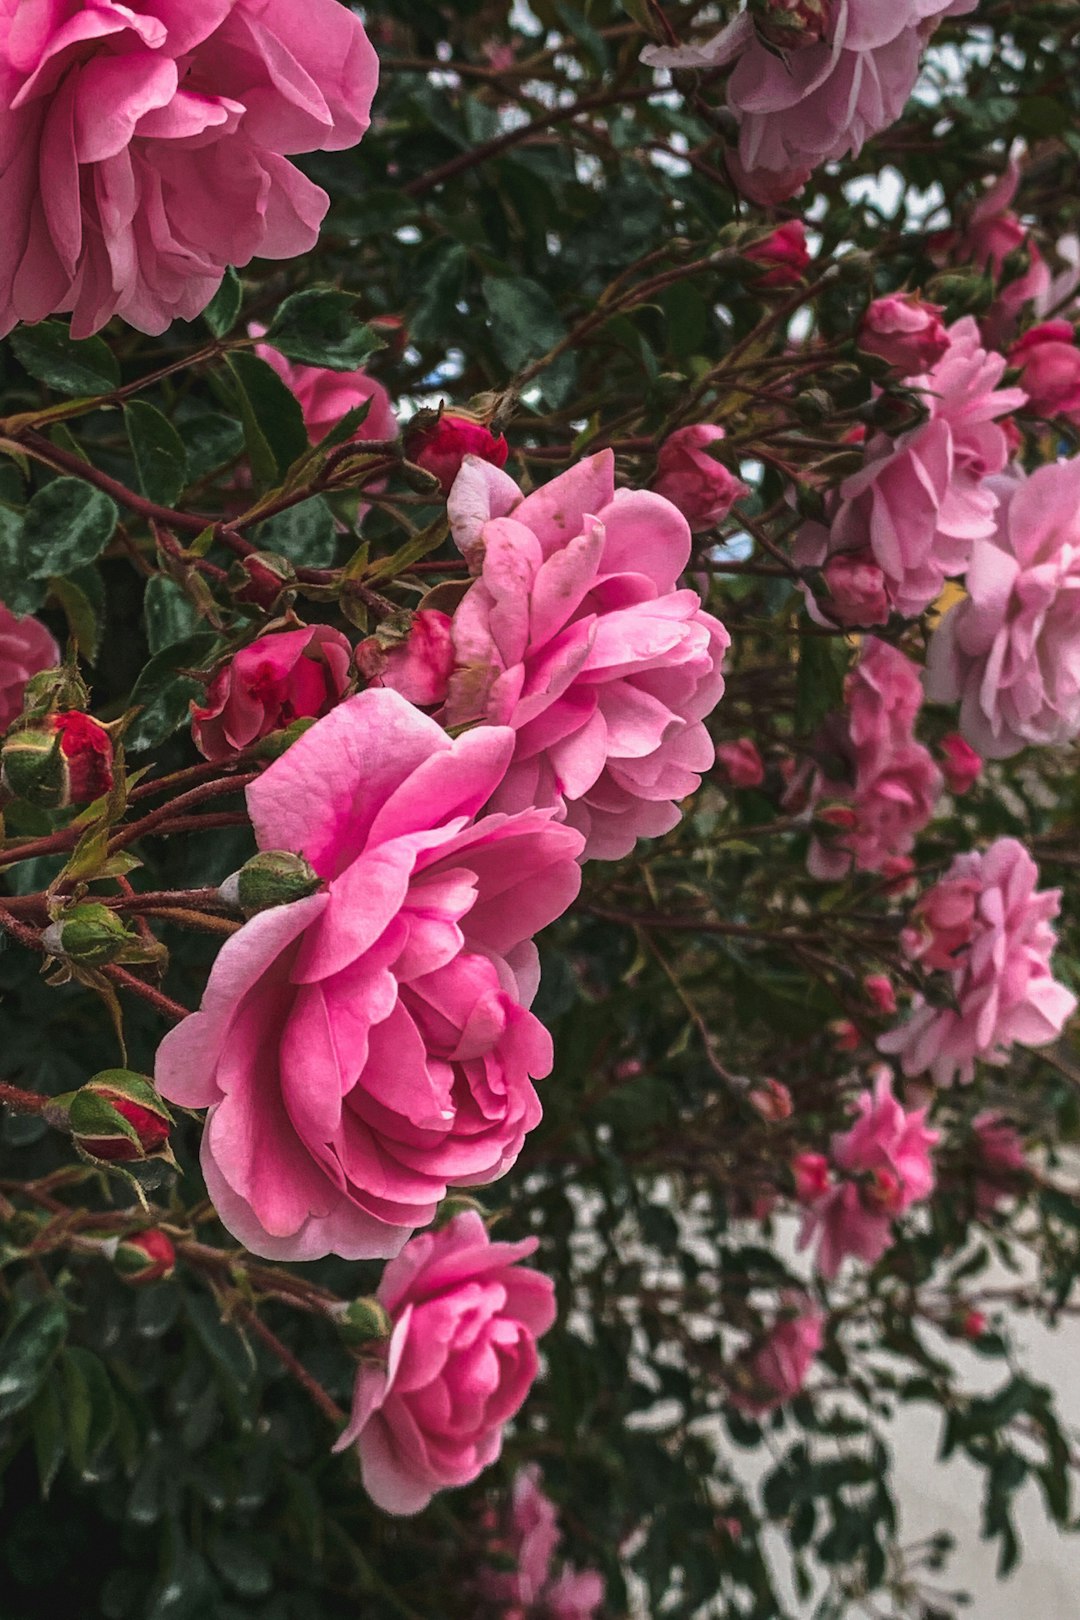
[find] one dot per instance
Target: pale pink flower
(797, 110)
(922, 500)
(693, 480)
(1049, 362)
(278, 678)
(26, 648)
(993, 235)
(741, 762)
(576, 634)
(893, 782)
(144, 150)
(365, 1048)
(532, 1587)
(775, 1369)
(576, 1594)
(1000, 1157)
(1001, 989)
(960, 764)
(905, 332)
(1010, 651)
(461, 1360)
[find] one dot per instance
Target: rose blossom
(922, 500)
(575, 634)
(534, 1536)
(326, 396)
(960, 764)
(856, 589)
(775, 1370)
(26, 648)
(993, 235)
(278, 678)
(824, 100)
(783, 253)
(1049, 362)
(1001, 988)
(142, 151)
(894, 783)
(1000, 1157)
(879, 990)
(420, 667)
(885, 1162)
(441, 447)
(691, 479)
(365, 1048)
(905, 332)
(1010, 651)
(741, 762)
(461, 1359)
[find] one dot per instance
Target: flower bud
(119, 1118)
(835, 815)
(89, 935)
(783, 254)
(973, 1325)
(364, 1322)
(857, 589)
(741, 762)
(51, 689)
(145, 1257)
(845, 1035)
(790, 25)
(259, 579)
(772, 1100)
(274, 877)
(64, 758)
(903, 331)
(880, 993)
(812, 1176)
(33, 768)
(440, 445)
(961, 766)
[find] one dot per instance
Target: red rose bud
(119, 1118)
(845, 1035)
(811, 1175)
(145, 1257)
(783, 254)
(835, 815)
(961, 766)
(439, 447)
(879, 990)
(974, 1325)
(64, 758)
(88, 749)
(260, 579)
(772, 1100)
(741, 762)
(791, 24)
(392, 330)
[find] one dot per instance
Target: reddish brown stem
(160, 1002)
(327, 1406)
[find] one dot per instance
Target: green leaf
(169, 613)
(223, 1343)
(26, 1352)
(819, 685)
(21, 593)
(317, 327)
(160, 457)
(82, 599)
(68, 524)
(524, 320)
(89, 1405)
(305, 533)
(274, 430)
(50, 1441)
(163, 694)
(49, 353)
(221, 312)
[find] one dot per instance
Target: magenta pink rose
(856, 589)
(741, 762)
(278, 678)
(576, 634)
(364, 1049)
(693, 480)
(775, 1369)
(461, 1360)
(26, 648)
(1000, 990)
(905, 332)
(922, 500)
(783, 254)
(892, 784)
(532, 1587)
(421, 666)
(326, 396)
(1001, 1162)
(960, 764)
(1049, 362)
(142, 151)
(884, 1166)
(1009, 653)
(441, 448)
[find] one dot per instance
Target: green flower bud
(118, 1117)
(89, 935)
(33, 768)
(272, 878)
(364, 1322)
(145, 1257)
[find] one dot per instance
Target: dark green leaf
(169, 613)
(49, 353)
(27, 1350)
(221, 312)
(68, 524)
(305, 533)
(17, 590)
(160, 456)
(318, 327)
(89, 1405)
(274, 430)
(163, 694)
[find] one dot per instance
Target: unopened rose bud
(973, 1325)
(772, 1100)
(811, 1175)
(394, 333)
(90, 935)
(261, 578)
(857, 593)
(145, 1257)
(119, 1118)
(835, 815)
(441, 444)
(64, 758)
(961, 766)
(364, 1322)
(781, 258)
(880, 993)
(905, 332)
(962, 292)
(899, 870)
(845, 1035)
(274, 877)
(790, 25)
(741, 762)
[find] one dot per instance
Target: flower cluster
(531, 1587)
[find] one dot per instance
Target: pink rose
(776, 1368)
(783, 253)
(421, 666)
(575, 634)
(942, 924)
(1049, 362)
(893, 782)
(1000, 1158)
(905, 332)
(825, 100)
(278, 678)
(534, 1536)
(880, 992)
(365, 1048)
(441, 448)
(1001, 991)
(960, 764)
(856, 587)
(741, 762)
(575, 1595)
(810, 1172)
(691, 479)
(885, 1165)
(993, 235)
(462, 1358)
(1010, 651)
(142, 151)
(922, 500)
(326, 396)
(26, 648)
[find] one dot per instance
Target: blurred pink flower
(905, 332)
(960, 764)
(1000, 1159)
(1049, 362)
(144, 150)
(856, 590)
(461, 1360)
(994, 234)
(693, 480)
(1001, 989)
(1010, 651)
(532, 1589)
(26, 648)
(775, 1369)
(741, 762)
